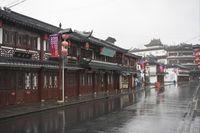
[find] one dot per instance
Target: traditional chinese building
(195, 73)
(182, 58)
(154, 48)
(29, 73)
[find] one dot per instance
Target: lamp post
(64, 53)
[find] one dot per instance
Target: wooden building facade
(28, 74)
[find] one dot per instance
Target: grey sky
(132, 22)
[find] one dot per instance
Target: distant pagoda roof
(182, 46)
(154, 42)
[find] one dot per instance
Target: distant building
(195, 73)
(181, 57)
(154, 49)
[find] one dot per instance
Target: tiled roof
(99, 42)
(187, 47)
(154, 42)
(27, 21)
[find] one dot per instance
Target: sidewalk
(17, 110)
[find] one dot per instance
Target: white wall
(171, 76)
(159, 52)
(153, 79)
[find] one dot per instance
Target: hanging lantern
(101, 50)
(64, 51)
(197, 60)
(65, 43)
(198, 67)
(197, 55)
(65, 36)
(87, 45)
(196, 49)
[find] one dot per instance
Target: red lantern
(197, 55)
(197, 60)
(64, 51)
(65, 44)
(101, 50)
(65, 36)
(87, 45)
(197, 50)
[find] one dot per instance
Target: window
(89, 79)
(47, 46)
(27, 80)
(35, 81)
(19, 40)
(86, 53)
(82, 79)
(12, 38)
(24, 41)
(45, 81)
(73, 51)
(5, 37)
(55, 81)
(44, 45)
(109, 79)
(50, 81)
(38, 43)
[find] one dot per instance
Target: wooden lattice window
(34, 81)
(5, 37)
(27, 80)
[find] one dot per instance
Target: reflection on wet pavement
(166, 112)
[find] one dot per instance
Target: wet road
(167, 112)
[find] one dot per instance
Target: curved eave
(103, 43)
(27, 21)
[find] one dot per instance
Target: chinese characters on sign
(54, 45)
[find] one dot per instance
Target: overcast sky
(132, 22)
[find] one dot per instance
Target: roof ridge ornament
(84, 33)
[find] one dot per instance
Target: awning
(100, 65)
(73, 68)
(27, 63)
(104, 65)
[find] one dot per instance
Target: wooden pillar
(94, 82)
(41, 84)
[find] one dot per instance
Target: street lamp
(65, 45)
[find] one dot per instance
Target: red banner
(54, 45)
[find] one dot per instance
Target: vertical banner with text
(54, 45)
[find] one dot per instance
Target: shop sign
(107, 52)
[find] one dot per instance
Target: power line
(11, 3)
(15, 3)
